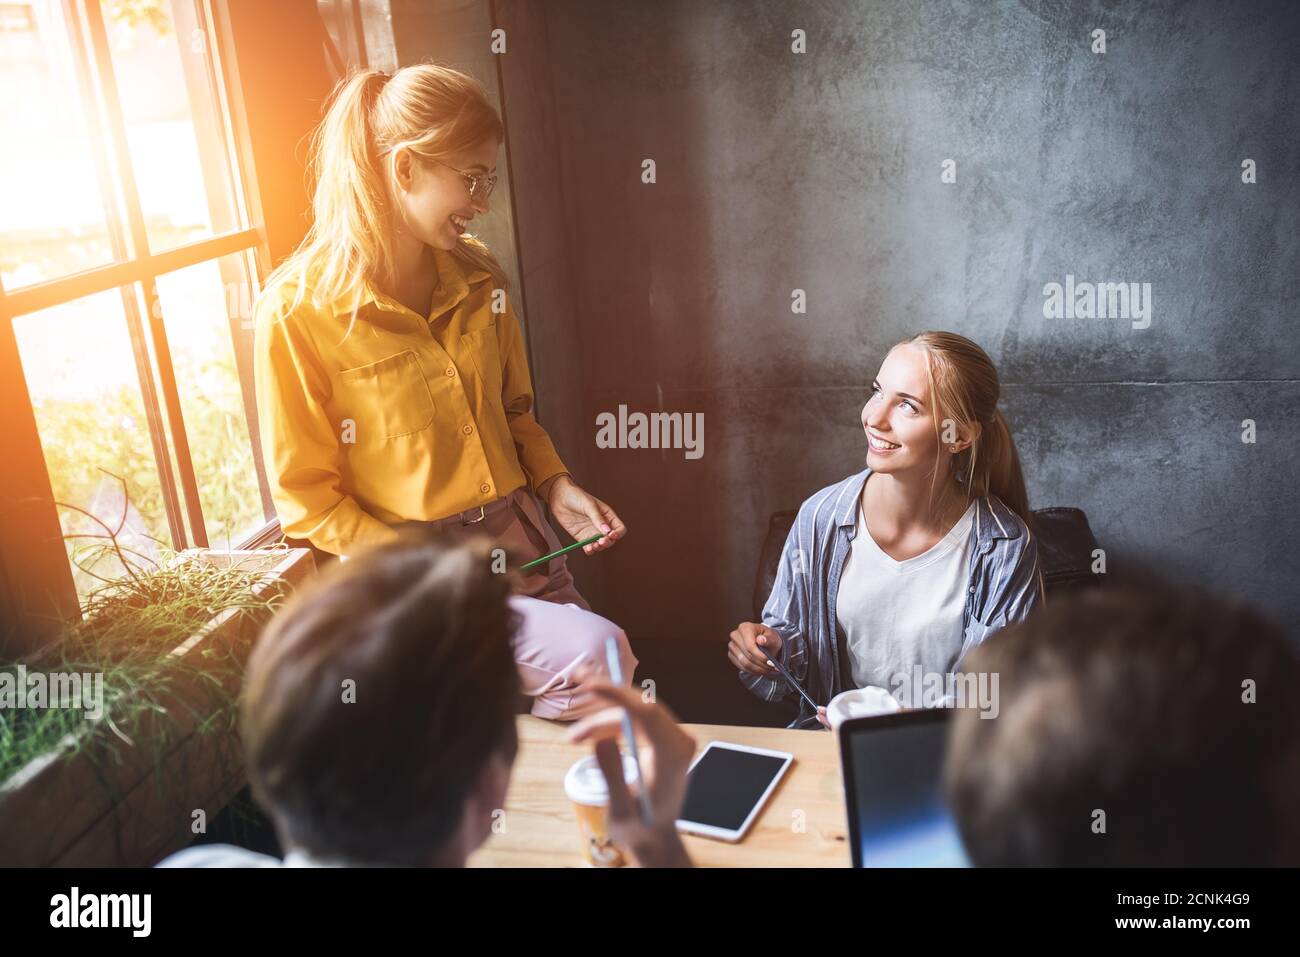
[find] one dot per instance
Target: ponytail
(433, 110)
(1005, 479)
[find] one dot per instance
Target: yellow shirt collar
(456, 274)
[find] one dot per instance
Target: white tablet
(727, 786)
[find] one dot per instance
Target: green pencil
(566, 548)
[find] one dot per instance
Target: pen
(616, 678)
(566, 548)
(785, 673)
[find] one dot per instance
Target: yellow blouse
(406, 418)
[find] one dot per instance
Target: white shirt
(900, 615)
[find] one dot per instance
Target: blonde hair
(431, 109)
(964, 388)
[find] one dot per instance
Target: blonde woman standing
(392, 381)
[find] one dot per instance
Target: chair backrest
(1065, 549)
(769, 558)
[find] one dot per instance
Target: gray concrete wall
(456, 33)
(821, 171)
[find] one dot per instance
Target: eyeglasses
(480, 184)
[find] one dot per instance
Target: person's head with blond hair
(413, 154)
(936, 399)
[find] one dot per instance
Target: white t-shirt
(898, 615)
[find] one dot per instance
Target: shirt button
(468, 430)
(450, 372)
(972, 589)
(485, 488)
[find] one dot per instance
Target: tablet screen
(896, 796)
(724, 785)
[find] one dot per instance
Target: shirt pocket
(482, 347)
(390, 395)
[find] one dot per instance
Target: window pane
(81, 375)
(206, 310)
(176, 139)
(52, 211)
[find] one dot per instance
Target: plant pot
(133, 805)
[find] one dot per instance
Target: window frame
(30, 565)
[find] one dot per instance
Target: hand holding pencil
(583, 515)
(752, 646)
(664, 759)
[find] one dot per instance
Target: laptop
(893, 766)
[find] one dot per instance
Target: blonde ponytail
(432, 110)
(1005, 479)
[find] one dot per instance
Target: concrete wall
(821, 171)
(456, 33)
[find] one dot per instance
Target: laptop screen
(892, 768)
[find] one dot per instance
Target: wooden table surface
(802, 825)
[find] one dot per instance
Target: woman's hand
(583, 515)
(665, 756)
(751, 646)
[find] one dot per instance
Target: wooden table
(802, 825)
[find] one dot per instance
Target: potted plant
(119, 739)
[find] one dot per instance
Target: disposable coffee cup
(585, 786)
(860, 703)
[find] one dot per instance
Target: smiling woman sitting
(913, 561)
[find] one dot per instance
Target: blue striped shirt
(1004, 586)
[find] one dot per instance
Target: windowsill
(268, 534)
(86, 810)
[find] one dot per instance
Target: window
(128, 267)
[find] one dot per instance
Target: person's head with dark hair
(378, 711)
(1134, 727)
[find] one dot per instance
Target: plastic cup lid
(585, 783)
(860, 703)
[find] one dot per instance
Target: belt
(471, 516)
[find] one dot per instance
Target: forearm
(769, 689)
(544, 489)
(339, 527)
(535, 450)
